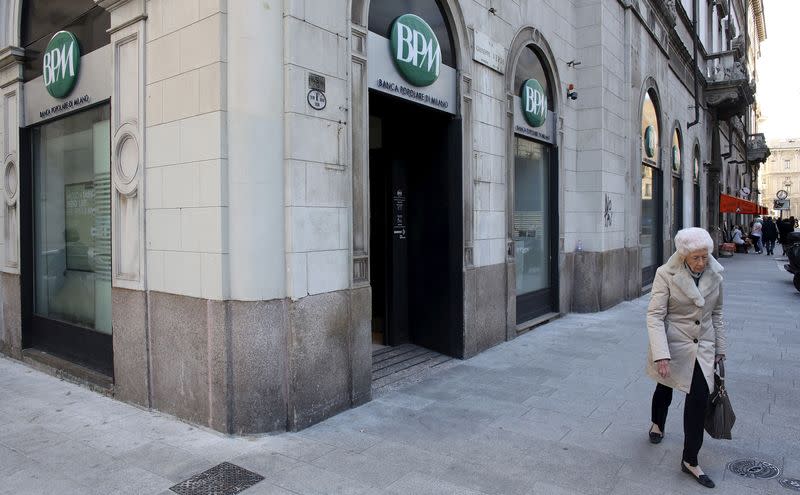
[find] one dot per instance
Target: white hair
(693, 239)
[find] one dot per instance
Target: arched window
(650, 228)
(530, 65)
(696, 164)
(676, 217)
(382, 14)
(534, 229)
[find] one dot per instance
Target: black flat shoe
(655, 437)
(702, 479)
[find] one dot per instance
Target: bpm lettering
(60, 64)
(534, 103)
(415, 50)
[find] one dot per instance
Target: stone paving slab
(561, 410)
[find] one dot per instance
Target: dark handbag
(719, 413)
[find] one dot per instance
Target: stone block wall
(317, 176)
(186, 198)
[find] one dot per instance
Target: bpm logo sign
(415, 50)
(650, 141)
(534, 103)
(62, 60)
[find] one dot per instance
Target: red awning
(732, 204)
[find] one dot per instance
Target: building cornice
(11, 55)
(758, 15)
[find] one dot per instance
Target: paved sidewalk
(561, 410)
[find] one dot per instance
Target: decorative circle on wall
(10, 181)
(650, 141)
(127, 160)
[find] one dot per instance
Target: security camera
(571, 93)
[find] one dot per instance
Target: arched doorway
(696, 182)
(650, 227)
(676, 159)
(534, 186)
(415, 179)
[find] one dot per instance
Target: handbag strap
(721, 367)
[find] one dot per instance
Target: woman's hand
(663, 367)
(718, 358)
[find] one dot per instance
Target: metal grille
(222, 479)
(753, 468)
(791, 484)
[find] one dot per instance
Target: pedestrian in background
(684, 324)
(755, 234)
(783, 230)
(769, 233)
(736, 238)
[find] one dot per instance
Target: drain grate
(791, 484)
(222, 479)
(753, 468)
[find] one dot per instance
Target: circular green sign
(60, 64)
(534, 103)
(650, 141)
(415, 50)
(676, 158)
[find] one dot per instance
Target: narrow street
(563, 409)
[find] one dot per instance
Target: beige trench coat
(684, 322)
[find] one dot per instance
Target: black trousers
(694, 413)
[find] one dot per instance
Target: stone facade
(782, 172)
(241, 295)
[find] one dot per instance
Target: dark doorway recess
(415, 226)
(42, 262)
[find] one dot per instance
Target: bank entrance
(651, 220)
(415, 225)
(534, 222)
(415, 186)
(65, 184)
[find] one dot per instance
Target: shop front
(676, 158)
(415, 180)
(534, 228)
(651, 220)
(65, 184)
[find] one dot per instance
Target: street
(563, 409)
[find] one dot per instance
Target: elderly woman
(684, 322)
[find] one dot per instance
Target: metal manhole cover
(791, 484)
(222, 479)
(753, 468)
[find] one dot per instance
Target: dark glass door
(650, 231)
(677, 206)
(696, 204)
(534, 228)
(67, 261)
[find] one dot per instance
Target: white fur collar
(708, 282)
